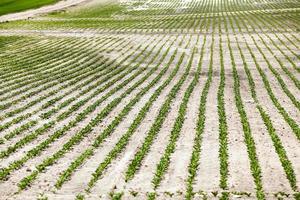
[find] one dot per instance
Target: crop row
(248, 138)
(195, 157)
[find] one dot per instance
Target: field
(156, 99)
(12, 6)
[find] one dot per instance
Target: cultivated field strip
(67, 113)
(152, 100)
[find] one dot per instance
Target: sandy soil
(101, 44)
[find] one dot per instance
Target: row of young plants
(20, 129)
(14, 121)
(265, 118)
(18, 86)
(4, 172)
(283, 35)
(22, 44)
(277, 75)
(18, 110)
(126, 69)
(13, 68)
(131, 23)
(47, 67)
(5, 46)
(223, 127)
(78, 137)
(284, 68)
(269, 23)
(119, 118)
(248, 138)
(25, 45)
(57, 85)
(27, 115)
(110, 72)
(45, 73)
(66, 174)
(91, 77)
(285, 162)
(195, 157)
(45, 127)
(50, 47)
